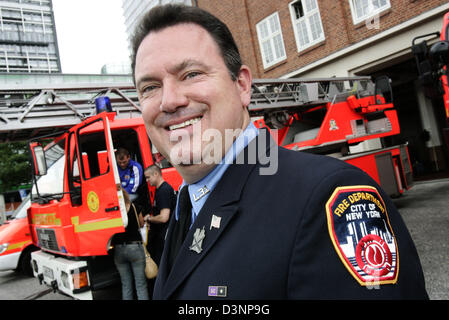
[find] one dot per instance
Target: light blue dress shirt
(200, 190)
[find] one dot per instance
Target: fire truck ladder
(29, 112)
(271, 95)
(274, 99)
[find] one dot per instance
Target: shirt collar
(200, 190)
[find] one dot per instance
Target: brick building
(325, 38)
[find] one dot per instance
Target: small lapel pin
(215, 222)
(217, 291)
(201, 192)
(198, 237)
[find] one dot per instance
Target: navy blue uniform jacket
(273, 240)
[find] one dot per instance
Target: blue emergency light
(103, 104)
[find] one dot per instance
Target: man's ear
(244, 82)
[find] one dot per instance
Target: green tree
(15, 168)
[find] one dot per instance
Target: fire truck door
(101, 209)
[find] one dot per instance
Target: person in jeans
(129, 256)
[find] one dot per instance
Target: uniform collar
(224, 204)
(200, 190)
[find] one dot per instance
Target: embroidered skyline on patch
(362, 236)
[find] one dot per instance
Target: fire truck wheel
(24, 265)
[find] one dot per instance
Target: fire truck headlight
(3, 247)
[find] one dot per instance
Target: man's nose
(173, 97)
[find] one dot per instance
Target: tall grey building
(28, 40)
(134, 9)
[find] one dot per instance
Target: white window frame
(305, 20)
(372, 11)
(270, 38)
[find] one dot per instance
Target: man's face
(151, 177)
(123, 161)
(185, 89)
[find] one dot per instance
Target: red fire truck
(345, 118)
(77, 206)
(15, 241)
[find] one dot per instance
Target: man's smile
(184, 124)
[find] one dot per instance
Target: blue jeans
(130, 262)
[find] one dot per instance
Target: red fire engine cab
(77, 204)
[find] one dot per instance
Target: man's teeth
(184, 124)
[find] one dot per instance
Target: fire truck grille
(47, 239)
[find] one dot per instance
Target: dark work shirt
(164, 197)
(131, 231)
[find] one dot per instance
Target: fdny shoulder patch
(360, 231)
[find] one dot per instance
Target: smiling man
(185, 89)
(239, 232)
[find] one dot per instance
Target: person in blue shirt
(130, 171)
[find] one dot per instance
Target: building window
(365, 9)
(307, 24)
(271, 42)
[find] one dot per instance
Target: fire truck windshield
(21, 211)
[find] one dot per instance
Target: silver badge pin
(215, 222)
(197, 243)
(201, 192)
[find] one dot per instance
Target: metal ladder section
(29, 112)
(278, 95)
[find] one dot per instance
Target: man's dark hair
(153, 168)
(122, 152)
(161, 17)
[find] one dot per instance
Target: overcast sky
(91, 33)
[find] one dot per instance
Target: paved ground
(16, 286)
(425, 210)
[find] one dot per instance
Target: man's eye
(192, 74)
(148, 89)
